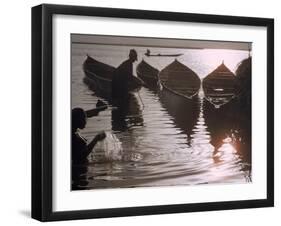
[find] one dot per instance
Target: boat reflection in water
(184, 112)
(126, 113)
(230, 138)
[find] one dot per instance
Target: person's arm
(92, 144)
(100, 106)
(95, 111)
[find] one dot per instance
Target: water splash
(109, 149)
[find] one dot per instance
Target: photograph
(150, 112)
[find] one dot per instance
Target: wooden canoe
(99, 77)
(163, 55)
(220, 86)
(148, 74)
(180, 80)
(244, 76)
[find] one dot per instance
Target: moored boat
(244, 84)
(99, 77)
(182, 106)
(148, 74)
(163, 55)
(179, 80)
(220, 86)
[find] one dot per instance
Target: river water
(150, 142)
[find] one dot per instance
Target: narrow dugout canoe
(220, 86)
(99, 77)
(148, 74)
(179, 80)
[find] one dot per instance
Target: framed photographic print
(145, 112)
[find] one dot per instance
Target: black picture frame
(42, 108)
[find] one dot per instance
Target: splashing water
(109, 149)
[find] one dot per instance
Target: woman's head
(78, 118)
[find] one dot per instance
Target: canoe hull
(220, 86)
(163, 55)
(182, 108)
(98, 76)
(148, 74)
(100, 86)
(180, 79)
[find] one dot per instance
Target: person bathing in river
(80, 148)
(122, 76)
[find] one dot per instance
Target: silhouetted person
(122, 75)
(147, 52)
(80, 148)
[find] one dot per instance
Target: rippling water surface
(153, 143)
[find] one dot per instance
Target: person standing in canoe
(122, 75)
(80, 148)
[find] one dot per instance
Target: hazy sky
(159, 42)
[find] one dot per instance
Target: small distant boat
(99, 77)
(148, 74)
(220, 86)
(178, 79)
(163, 55)
(148, 54)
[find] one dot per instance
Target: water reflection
(208, 148)
(231, 139)
(184, 111)
(126, 113)
(79, 177)
(200, 137)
